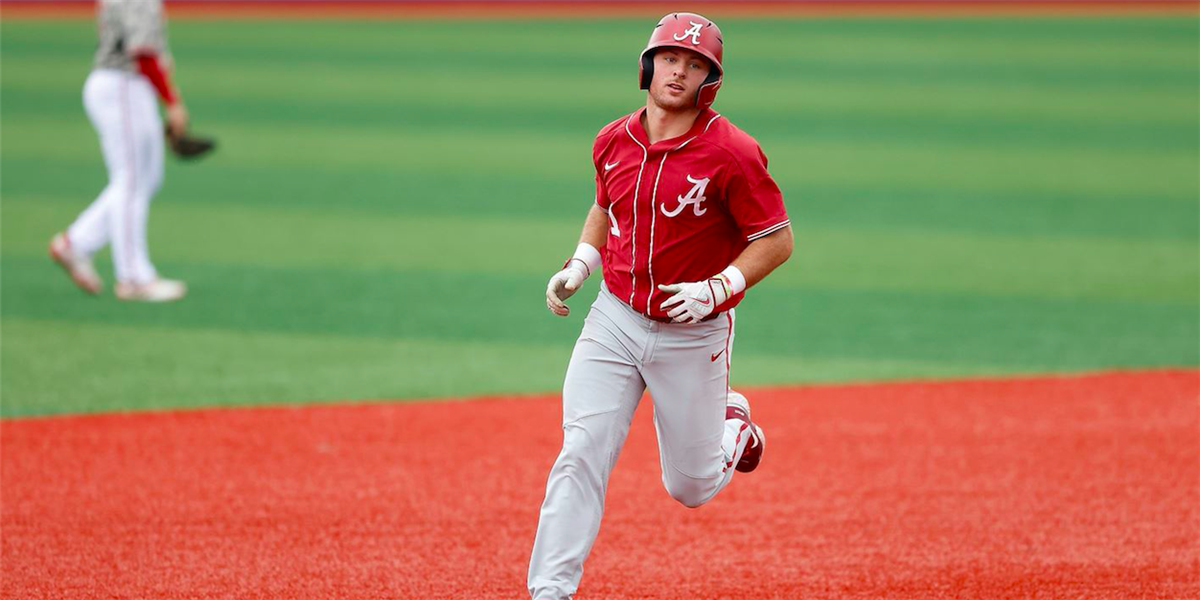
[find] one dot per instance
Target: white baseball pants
(124, 110)
(619, 354)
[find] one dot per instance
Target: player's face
(678, 75)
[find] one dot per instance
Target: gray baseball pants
(620, 354)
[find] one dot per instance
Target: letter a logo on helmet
(692, 32)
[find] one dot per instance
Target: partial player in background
(688, 217)
(132, 65)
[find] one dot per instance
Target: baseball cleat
(77, 266)
(737, 407)
(157, 290)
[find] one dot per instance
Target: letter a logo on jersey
(693, 197)
(693, 33)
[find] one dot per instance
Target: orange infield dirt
(1071, 487)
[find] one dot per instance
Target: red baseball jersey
(681, 209)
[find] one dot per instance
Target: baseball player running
(687, 218)
(131, 65)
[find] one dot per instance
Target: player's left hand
(695, 300)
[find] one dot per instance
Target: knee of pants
(121, 182)
(153, 178)
(689, 491)
(152, 186)
(585, 451)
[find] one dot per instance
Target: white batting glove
(695, 300)
(564, 284)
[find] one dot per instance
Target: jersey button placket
(645, 221)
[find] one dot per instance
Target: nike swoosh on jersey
(609, 166)
(716, 356)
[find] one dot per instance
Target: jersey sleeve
(754, 198)
(602, 194)
(150, 66)
(144, 29)
(602, 199)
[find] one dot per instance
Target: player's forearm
(591, 239)
(764, 255)
(595, 228)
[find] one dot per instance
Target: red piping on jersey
(636, 190)
(653, 219)
(149, 65)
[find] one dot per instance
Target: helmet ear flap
(647, 69)
(714, 77)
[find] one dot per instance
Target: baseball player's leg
(129, 217)
(688, 379)
(155, 153)
(103, 101)
(600, 393)
(122, 109)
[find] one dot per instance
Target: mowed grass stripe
(872, 324)
(1059, 213)
(1067, 118)
(221, 181)
(995, 266)
(167, 367)
(580, 120)
(299, 238)
(332, 148)
(445, 304)
(519, 87)
(962, 167)
(1047, 267)
(1164, 51)
(967, 101)
(955, 329)
(205, 368)
(959, 166)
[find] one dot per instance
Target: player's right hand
(563, 285)
(177, 119)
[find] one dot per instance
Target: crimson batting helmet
(692, 32)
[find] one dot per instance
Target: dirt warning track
(1049, 487)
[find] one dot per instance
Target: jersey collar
(635, 129)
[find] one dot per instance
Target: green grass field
(970, 197)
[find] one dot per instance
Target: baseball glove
(189, 146)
